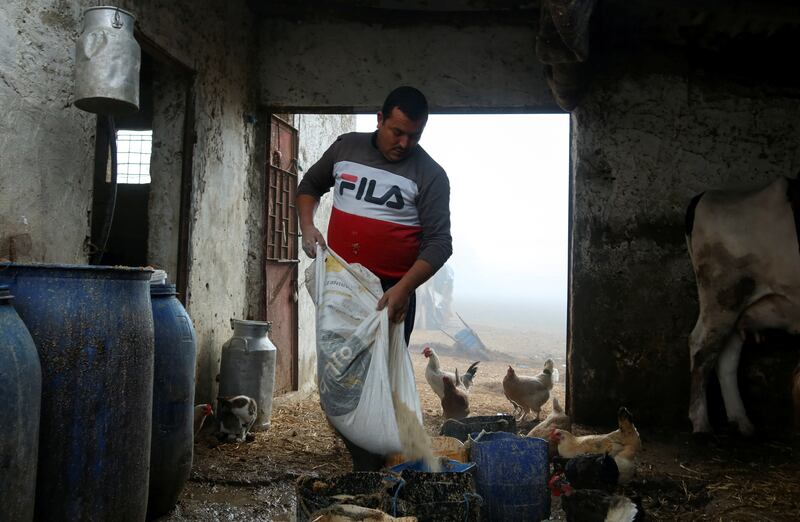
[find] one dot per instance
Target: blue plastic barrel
(93, 329)
(21, 389)
(173, 400)
(511, 476)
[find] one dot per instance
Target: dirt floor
(678, 478)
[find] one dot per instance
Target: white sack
(362, 357)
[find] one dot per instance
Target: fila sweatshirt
(385, 215)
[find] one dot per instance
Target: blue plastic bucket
(93, 330)
(511, 476)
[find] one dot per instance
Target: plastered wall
(335, 62)
(317, 132)
(47, 147)
(652, 133)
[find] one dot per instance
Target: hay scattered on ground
(725, 478)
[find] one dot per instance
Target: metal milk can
(248, 367)
(107, 62)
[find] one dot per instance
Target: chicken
(528, 393)
(594, 505)
(349, 512)
(434, 373)
(236, 416)
(589, 471)
(623, 444)
(455, 403)
(201, 411)
(556, 419)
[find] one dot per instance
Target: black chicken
(585, 484)
(589, 471)
(595, 505)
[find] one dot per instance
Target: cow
(746, 260)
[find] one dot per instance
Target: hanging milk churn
(107, 62)
(248, 367)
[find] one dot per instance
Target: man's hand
(396, 299)
(311, 236)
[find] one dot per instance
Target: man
(391, 211)
(391, 203)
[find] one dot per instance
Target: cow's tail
(689, 223)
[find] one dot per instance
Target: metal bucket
(107, 62)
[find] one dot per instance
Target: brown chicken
(623, 444)
(455, 402)
(528, 393)
(201, 411)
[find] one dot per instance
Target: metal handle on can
(246, 345)
(116, 24)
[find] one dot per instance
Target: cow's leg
(727, 368)
(704, 348)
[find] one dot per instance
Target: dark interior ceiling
(704, 22)
(424, 7)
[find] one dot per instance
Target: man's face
(397, 134)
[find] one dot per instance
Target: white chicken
(236, 417)
(201, 411)
(434, 373)
(528, 393)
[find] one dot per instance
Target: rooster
(236, 417)
(201, 411)
(593, 505)
(434, 373)
(455, 403)
(589, 471)
(528, 393)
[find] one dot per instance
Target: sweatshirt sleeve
(318, 179)
(434, 212)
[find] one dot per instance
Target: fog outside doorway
(509, 180)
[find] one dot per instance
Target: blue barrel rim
(166, 289)
(53, 269)
(450, 466)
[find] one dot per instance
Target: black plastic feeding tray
(460, 429)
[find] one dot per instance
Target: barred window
(133, 156)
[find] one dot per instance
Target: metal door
(281, 250)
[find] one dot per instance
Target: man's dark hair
(409, 100)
